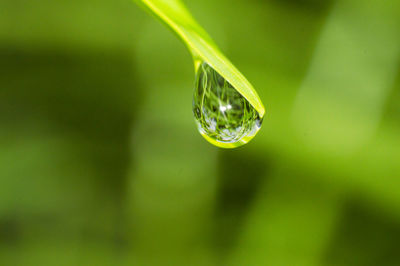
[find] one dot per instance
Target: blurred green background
(101, 162)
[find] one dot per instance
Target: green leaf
(175, 15)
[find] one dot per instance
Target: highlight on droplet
(223, 116)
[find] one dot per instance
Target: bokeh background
(101, 162)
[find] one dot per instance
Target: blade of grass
(175, 15)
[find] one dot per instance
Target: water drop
(223, 116)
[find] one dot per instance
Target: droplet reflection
(224, 117)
